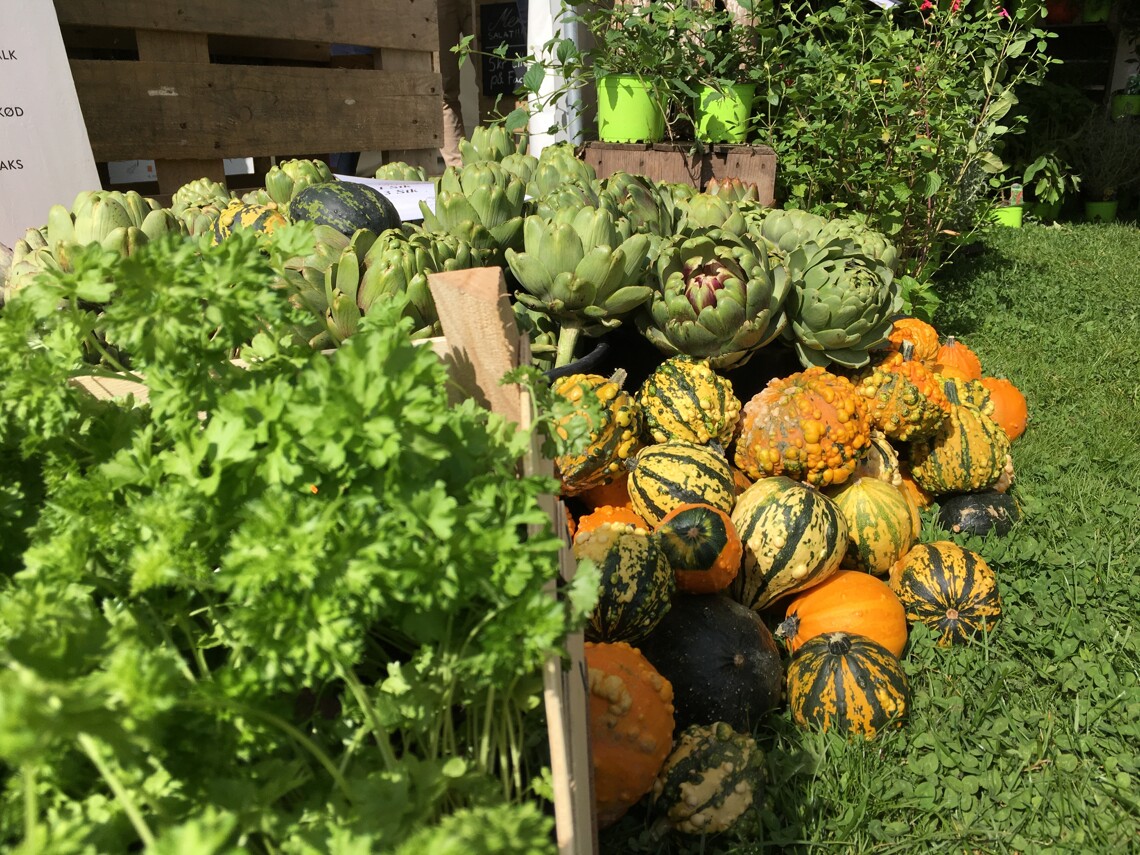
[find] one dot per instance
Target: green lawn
(1029, 742)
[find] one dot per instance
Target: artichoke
(717, 298)
(284, 180)
(584, 269)
(572, 197)
(559, 165)
(493, 143)
(482, 205)
(398, 170)
(639, 200)
(705, 211)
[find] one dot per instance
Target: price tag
(405, 195)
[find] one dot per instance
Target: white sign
(405, 195)
(45, 156)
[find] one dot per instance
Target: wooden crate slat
(181, 110)
(406, 24)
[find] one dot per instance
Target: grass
(1030, 740)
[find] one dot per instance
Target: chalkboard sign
(500, 24)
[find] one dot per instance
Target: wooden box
(682, 164)
(188, 84)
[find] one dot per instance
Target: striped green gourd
(238, 216)
(794, 537)
(881, 524)
(713, 775)
(846, 682)
(636, 582)
(670, 474)
(345, 206)
(615, 432)
(684, 399)
(966, 453)
(950, 589)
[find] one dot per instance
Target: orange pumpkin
(915, 494)
(611, 493)
(631, 726)
(849, 601)
(922, 335)
(957, 361)
(740, 481)
(702, 546)
(1010, 408)
(608, 514)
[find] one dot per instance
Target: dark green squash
(345, 206)
(978, 513)
(721, 659)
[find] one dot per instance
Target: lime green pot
(1100, 212)
(1047, 212)
(1009, 215)
(1123, 106)
(627, 110)
(722, 116)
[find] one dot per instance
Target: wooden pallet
(189, 84)
(680, 163)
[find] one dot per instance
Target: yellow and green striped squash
(897, 406)
(950, 589)
(880, 524)
(970, 393)
(636, 582)
(713, 775)
(881, 461)
(794, 537)
(846, 682)
(967, 453)
(670, 474)
(614, 438)
(684, 399)
(239, 216)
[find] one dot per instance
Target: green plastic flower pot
(1047, 212)
(1125, 105)
(1100, 212)
(627, 111)
(723, 116)
(1009, 215)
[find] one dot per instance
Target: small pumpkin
(631, 726)
(608, 514)
(921, 335)
(848, 601)
(881, 461)
(846, 682)
(1010, 409)
(881, 524)
(811, 426)
(956, 360)
(713, 775)
(615, 435)
(903, 399)
(684, 399)
(967, 453)
(702, 546)
(613, 493)
(670, 474)
(636, 583)
(978, 513)
(950, 589)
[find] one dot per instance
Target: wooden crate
(188, 84)
(679, 163)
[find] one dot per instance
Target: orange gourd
(702, 547)
(922, 335)
(849, 601)
(916, 495)
(1010, 408)
(957, 361)
(613, 493)
(608, 514)
(631, 726)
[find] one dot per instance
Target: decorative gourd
(721, 660)
(239, 216)
(713, 775)
(971, 393)
(665, 476)
(702, 546)
(636, 584)
(609, 514)
(921, 335)
(794, 537)
(956, 360)
(1010, 408)
(903, 400)
(740, 481)
(684, 399)
(613, 440)
(919, 497)
(950, 589)
(849, 601)
(880, 524)
(345, 206)
(978, 513)
(1005, 479)
(811, 426)
(613, 493)
(881, 461)
(631, 726)
(967, 453)
(848, 683)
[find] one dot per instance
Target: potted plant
(1104, 153)
(1126, 102)
(1049, 179)
(1010, 211)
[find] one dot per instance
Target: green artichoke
(572, 197)
(639, 200)
(491, 143)
(482, 205)
(284, 180)
(704, 211)
(717, 298)
(398, 170)
(558, 165)
(584, 269)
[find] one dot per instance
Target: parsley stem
(124, 797)
(31, 807)
(358, 692)
(111, 360)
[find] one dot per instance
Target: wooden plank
(407, 24)
(245, 47)
(184, 110)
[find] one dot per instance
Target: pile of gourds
(710, 521)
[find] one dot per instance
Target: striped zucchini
(794, 537)
(670, 474)
(636, 585)
(950, 589)
(684, 399)
(848, 683)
